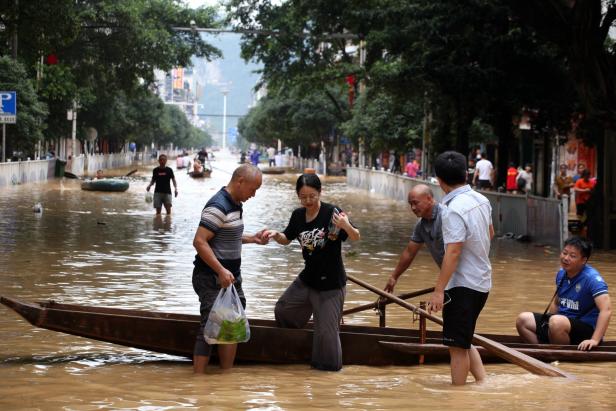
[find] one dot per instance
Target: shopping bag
(227, 322)
(148, 197)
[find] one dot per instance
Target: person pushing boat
(428, 231)
(218, 242)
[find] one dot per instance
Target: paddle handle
(528, 363)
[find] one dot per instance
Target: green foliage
(107, 52)
(385, 122)
(31, 111)
(297, 117)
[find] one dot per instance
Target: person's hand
(148, 188)
(587, 345)
(341, 220)
(391, 283)
(271, 234)
(226, 278)
(261, 237)
(436, 302)
(176, 192)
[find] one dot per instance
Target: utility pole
(225, 91)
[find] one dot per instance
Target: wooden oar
(130, 173)
(531, 364)
(68, 174)
(404, 296)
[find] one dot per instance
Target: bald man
(427, 230)
(218, 242)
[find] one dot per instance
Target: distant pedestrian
(583, 191)
(470, 175)
(512, 175)
(162, 177)
(254, 157)
(525, 180)
(271, 156)
(411, 169)
(484, 172)
(563, 183)
(580, 169)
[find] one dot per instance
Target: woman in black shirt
(319, 289)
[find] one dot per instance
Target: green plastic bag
(227, 322)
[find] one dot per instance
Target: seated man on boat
(580, 310)
(99, 175)
(197, 167)
(428, 231)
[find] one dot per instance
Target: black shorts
(580, 331)
(483, 184)
(207, 287)
(580, 209)
(460, 315)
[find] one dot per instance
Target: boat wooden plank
(172, 333)
(537, 351)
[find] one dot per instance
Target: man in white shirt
(465, 279)
(271, 155)
(483, 172)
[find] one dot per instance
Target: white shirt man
(483, 172)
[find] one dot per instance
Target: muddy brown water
(108, 249)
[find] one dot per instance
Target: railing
(20, 172)
(543, 220)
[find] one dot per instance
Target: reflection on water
(110, 249)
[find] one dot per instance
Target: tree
(106, 52)
(31, 111)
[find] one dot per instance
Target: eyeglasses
(311, 197)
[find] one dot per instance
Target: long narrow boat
(362, 345)
(206, 173)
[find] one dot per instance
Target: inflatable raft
(105, 184)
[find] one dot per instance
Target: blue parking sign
(8, 107)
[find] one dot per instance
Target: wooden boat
(362, 345)
(105, 184)
(273, 170)
(203, 174)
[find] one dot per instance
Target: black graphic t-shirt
(321, 248)
(162, 177)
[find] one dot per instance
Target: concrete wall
(542, 219)
(21, 172)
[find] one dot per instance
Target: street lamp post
(225, 91)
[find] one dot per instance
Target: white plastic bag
(227, 322)
(148, 197)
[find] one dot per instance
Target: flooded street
(108, 249)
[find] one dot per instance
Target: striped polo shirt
(223, 216)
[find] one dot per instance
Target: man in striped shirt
(218, 242)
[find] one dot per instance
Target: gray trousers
(298, 303)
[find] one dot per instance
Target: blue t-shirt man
(576, 296)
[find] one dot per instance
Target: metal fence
(20, 172)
